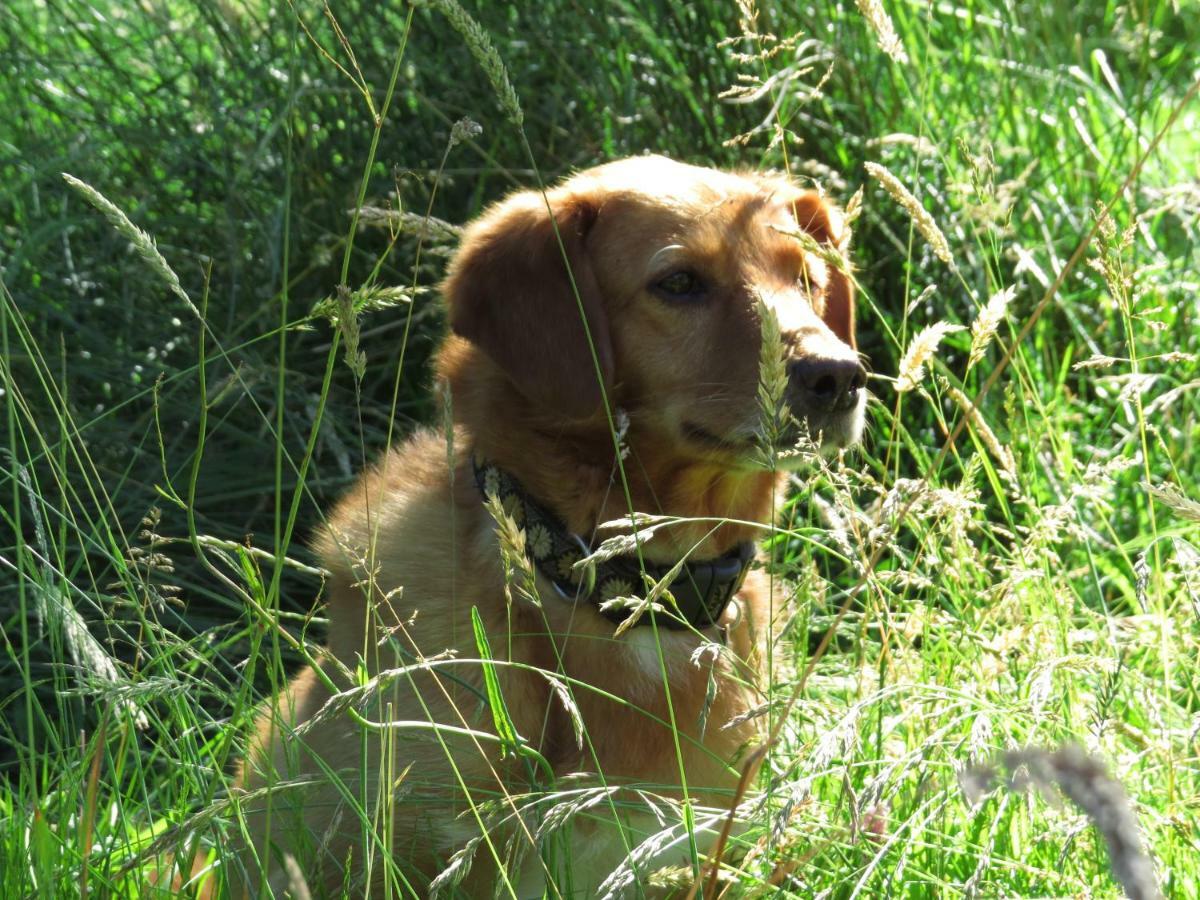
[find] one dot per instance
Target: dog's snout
(827, 385)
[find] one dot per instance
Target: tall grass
(1010, 561)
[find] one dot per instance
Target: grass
(1012, 559)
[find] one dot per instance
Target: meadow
(989, 684)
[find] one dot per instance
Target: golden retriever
(605, 357)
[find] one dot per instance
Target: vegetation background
(1011, 560)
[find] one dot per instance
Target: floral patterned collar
(701, 590)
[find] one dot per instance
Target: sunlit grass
(1011, 559)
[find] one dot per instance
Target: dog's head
(669, 265)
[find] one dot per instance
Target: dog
(604, 358)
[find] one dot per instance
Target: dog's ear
(815, 215)
(512, 289)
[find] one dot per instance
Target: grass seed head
(987, 323)
(1173, 498)
(885, 31)
(141, 241)
(465, 129)
(920, 351)
(773, 415)
(519, 575)
(431, 228)
(479, 42)
(1098, 361)
(347, 324)
(921, 217)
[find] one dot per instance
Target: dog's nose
(827, 385)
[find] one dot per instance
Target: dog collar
(701, 590)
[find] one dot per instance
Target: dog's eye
(681, 285)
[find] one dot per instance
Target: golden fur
(413, 550)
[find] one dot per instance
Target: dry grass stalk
(1098, 361)
(1083, 779)
(53, 606)
(759, 51)
(431, 227)
(1002, 454)
(297, 886)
